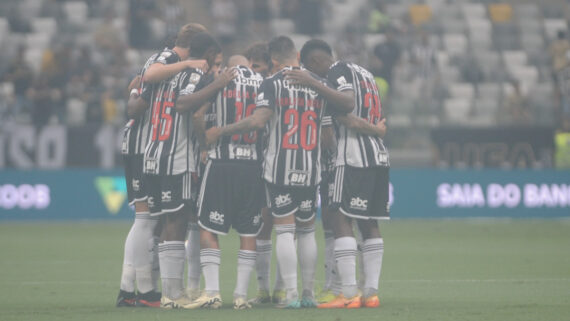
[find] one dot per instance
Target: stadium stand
(462, 72)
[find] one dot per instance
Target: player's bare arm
(343, 101)
(362, 126)
(254, 122)
(199, 124)
(197, 99)
(158, 72)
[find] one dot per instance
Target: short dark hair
(203, 42)
(282, 48)
(186, 33)
(258, 51)
(312, 45)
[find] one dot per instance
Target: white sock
(278, 279)
(287, 258)
(329, 259)
(307, 251)
(171, 256)
(336, 285)
(359, 260)
(372, 251)
(128, 274)
(245, 264)
(193, 256)
(210, 260)
(144, 249)
(263, 263)
(345, 255)
(155, 264)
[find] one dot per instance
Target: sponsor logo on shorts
(283, 200)
(359, 204)
(217, 218)
(150, 201)
(257, 219)
(306, 205)
(136, 184)
(166, 196)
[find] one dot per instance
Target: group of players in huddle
(251, 146)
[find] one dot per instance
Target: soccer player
(362, 172)
(291, 165)
(140, 263)
(258, 58)
(231, 194)
(260, 62)
(169, 159)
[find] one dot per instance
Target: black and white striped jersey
(293, 153)
(170, 150)
(233, 103)
(355, 149)
(135, 132)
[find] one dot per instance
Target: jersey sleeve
(266, 95)
(166, 57)
(189, 80)
(340, 76)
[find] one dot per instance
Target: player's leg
(245, 264)
(193, 258)
(283, 208)
(248, 200)
(332, 286)
(214, 218)
(306, 243)
(193, 246)
(264, 248)
(166, 199)
(345, 247)
(373, 245)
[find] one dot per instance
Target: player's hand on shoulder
(299, 77)
(201, 64)
(225, 76)
(212, 135)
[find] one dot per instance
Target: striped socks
(171, 257)
(372, 251)
(345, 256)
(287, 257)
(210, 261)
(245, 264)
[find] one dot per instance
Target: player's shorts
(362, 192)
(326, 188)
(136, 191)
(169, 193)
(231, 195)
(287, 200)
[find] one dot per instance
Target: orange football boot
(342, 303)
(371, 301)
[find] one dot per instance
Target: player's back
(170, 149)
(233, 103)
(292, 155)
(356, 149)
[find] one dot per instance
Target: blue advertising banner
(98, 194)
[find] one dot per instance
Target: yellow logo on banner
(113, 191)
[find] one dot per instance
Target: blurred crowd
(77, 73)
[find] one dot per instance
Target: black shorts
(169, 193)
(326, 188)
(136, 191)
(287, 200)
(231, 195)
(362, 192)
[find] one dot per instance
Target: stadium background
(475, 93)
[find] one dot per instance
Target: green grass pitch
(433, 270)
